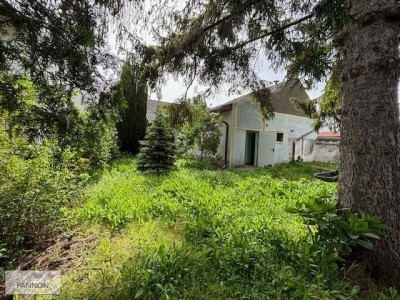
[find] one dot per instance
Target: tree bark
(370, 134)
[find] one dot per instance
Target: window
(279, 137)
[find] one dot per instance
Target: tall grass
(237, 240)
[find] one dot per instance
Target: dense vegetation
(218, 42)
(199, 234)
(197, 128)
(47, 154)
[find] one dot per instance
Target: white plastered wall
(292, 127)
(245, 116)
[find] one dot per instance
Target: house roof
(328, 135)
(152, 106)
(281, 94)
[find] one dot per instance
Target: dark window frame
(279, 137)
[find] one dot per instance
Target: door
(250, 152)
(266, 148)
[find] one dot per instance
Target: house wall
(248, 116)
(292, 127)
(240, 147)
(305, 149)
(245, 116)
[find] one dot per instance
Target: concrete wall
(318, 150)
(240, 147)
(226, 117)
(327, 151)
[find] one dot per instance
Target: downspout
(226, 142)
(293, 150)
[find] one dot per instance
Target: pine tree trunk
(370, 139)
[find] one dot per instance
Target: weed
(237, 238)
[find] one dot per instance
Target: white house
(247, 140)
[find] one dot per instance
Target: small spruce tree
(157, 153)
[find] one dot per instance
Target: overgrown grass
(201, 234)
(123, 195)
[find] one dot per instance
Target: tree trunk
(370, 139)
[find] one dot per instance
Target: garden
(199, 233)
(129, 197)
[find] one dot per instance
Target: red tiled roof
(328, 135)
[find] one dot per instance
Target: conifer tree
(132, 93)
(158, 150)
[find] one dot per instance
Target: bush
(335, 234)
(47, 148)
(39, 115)
(97, 140)
(34, 188)
(197, 128)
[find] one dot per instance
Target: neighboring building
(152, 106)
(251, 141)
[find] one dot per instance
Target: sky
(173, 89)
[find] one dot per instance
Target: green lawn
(198, 234)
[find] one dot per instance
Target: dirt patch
(62, 253)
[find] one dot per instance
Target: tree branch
(268, 33)
(196, 32)
(229, 17)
